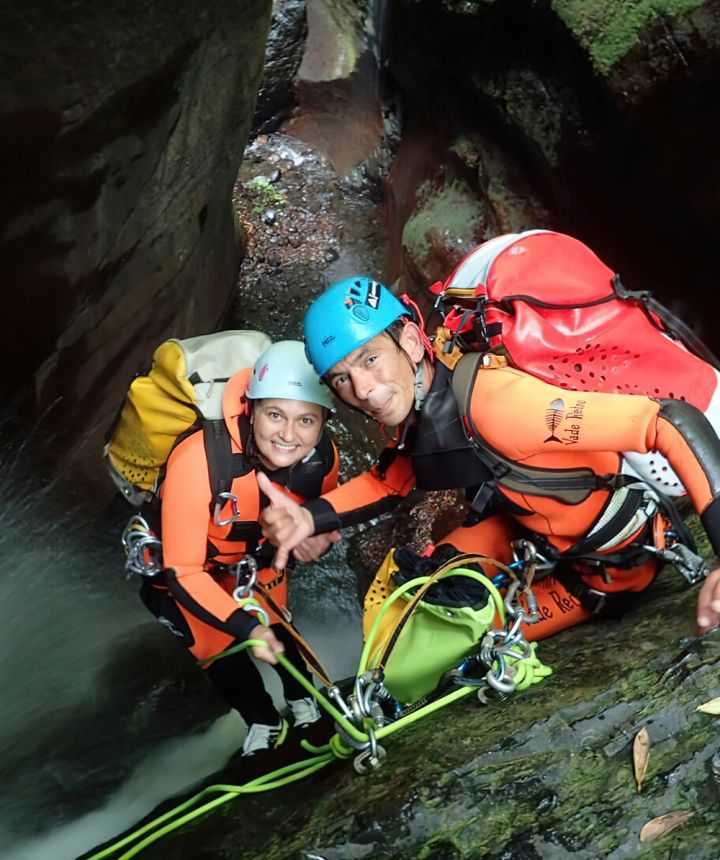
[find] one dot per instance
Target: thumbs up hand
(284, 522)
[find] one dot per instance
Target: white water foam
(180, 763)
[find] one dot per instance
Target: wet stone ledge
(544, 774)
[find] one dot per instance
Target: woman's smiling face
(285, 431)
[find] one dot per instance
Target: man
(371, 350)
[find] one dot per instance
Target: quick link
(371, 754)
(371, 758)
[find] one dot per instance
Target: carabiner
(143, 548)
(251, 606)
(234, 512)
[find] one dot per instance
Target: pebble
(715, 766)
(269, 216)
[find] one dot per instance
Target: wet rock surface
(602, 111)
(338, 82)
(123, 130)
(283, 55)
(323, 228)
(542, 774)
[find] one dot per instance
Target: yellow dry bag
(183, 388)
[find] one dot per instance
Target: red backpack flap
(552, 304)
(611, 347)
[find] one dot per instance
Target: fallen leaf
(711, 707)
(661, 826)
(641, 754)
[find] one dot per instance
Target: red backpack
(559, 313)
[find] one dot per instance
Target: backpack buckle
(219, 505)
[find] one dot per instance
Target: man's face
(377, 378)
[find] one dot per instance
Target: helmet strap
(420, 393)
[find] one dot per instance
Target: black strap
(612, 527)
(684, 332)
(680, 527)
(218, 450)
(606, 603)
(628, 556)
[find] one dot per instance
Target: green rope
(267, 782)
(529, 670)
(234, 650)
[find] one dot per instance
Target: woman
(275, 416)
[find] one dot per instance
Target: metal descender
(246, 577)
(693, 567)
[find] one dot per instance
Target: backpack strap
(672, 325)
(570, 486)
(463, 379)
(218, 450)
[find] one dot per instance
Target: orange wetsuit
(537, 434)
(194, 600)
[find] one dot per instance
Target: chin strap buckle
(420, 393)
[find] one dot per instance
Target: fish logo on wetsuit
(554, 415)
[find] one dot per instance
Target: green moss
(264, 194)
(608, 30)
(452, 212)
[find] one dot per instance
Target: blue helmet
(344, 317)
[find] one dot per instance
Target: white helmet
(284, 372)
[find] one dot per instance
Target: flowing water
(102, 714)
(71, 708)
